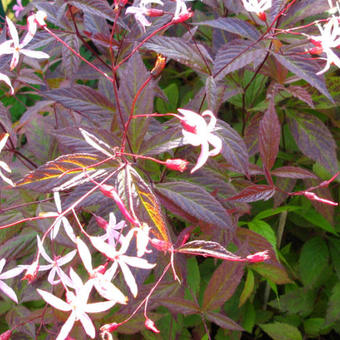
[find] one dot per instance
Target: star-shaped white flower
(59, 220)
(119, 258)
(257, 6)
(197, 131)
(329, 38)
(143, 10)
(3, 165)
(14, 47)
(100, 277)
(7, 275)
(76, 303)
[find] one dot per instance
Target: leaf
(305, 69)
(179, 305)
(223, 321)
(96, 7)
(162, 142)
(209, 249)
(269, 137)
(314, 139)
(195, 202)
(292, 172)
(254, 193)
(215, 92)
(233, 25)
(234, 150)
(333, 308)
(222, 285)
(71, 61)
(248, 288)
(235, 55)
(64, 169)
(264, 229)
(84, 100)
(305, 9)
(300, 93)
(181, 51)
(313, 260)
(281, 331)
(251, 134)
(271, 269)
(151, 206)
(135, 75)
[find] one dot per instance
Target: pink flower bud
(31, 272)
(109, 327)
(176, 164)
(110, 191)
(6, 335)
(262, 16)
(154, 12)
(101, 222)
(258, 257)
(183, 17)
(313, 197)
(149, 324)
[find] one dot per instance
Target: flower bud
(183, 17)
(154, 12)
(176, 164)
(109, 327)
(31, 272)
(258, 257)
(262, 16)
(6, 335)
(149, 324)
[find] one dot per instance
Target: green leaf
(248, 287)
(314, 326)
(193, 275)
(271, 212)
(313, 260)
(281, 331)
(316, 219)
(333, 309)
(264, 229)
(172, 92)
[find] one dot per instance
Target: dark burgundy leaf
(223, 321)
(254, 193)
(233, 25)
(251, 134)
(180, 50)
(292, 172)
(314, 139)
(96, 7)
(300, 93)
(222, 285)
(234, 150)
(269, 137)
(286, 185)
(235, 55)
(195, 203)
(305, 69)
(83, 99)
(179, 305)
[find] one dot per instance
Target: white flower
(14, 47)
(257, 6)
(77, 304)
(6, 79)
(329, 38)
(181, 9)
(196, 132)
(3, 165)
(7, 275)
(59, 220)
(143, 10)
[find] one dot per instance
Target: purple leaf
(254, 193)
(84, 100)
(195, 203)
(183, 52)
(222, 285)
(314, 139)
(269, 137)
(233, 25)
(251, 134)
(234, 150)
(300, 93)
(223, 321)
(306, 70)
(179, 305)
(292, 172)
(96, 7)
(235, 55)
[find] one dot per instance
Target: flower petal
(54, 301)
(8, 291)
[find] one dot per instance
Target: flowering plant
(161, 161)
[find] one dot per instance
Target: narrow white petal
(54, 301)
(13, 31)
(8, 291)
(203, 157)
(85, 255)
(88, 325)
(99, 307)
(34, 54)
(66, 329)
(129, 278)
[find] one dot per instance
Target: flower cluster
(15, 47)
